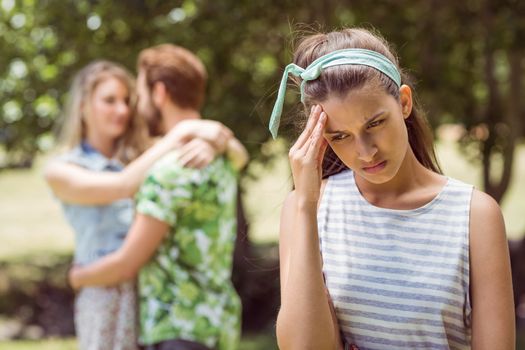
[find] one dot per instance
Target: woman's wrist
(306, 204)
(75, 277)
(236, 153)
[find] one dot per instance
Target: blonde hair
(133, 142)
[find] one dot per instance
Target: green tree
(467, 58)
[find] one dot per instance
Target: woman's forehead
(357, 106)
(111, 84)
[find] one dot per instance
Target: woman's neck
(103, 145)
(412, 186)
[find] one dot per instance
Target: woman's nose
(366, 149)
(123, 108)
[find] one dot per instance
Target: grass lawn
(258, 342)
(264, 342)
(50, 344)
(31, 219)
(32, 222)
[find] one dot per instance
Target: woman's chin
(376, 178)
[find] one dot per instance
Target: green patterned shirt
(185, 290)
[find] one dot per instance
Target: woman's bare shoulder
(486, 219)
(483, 207)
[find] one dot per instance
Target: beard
(153, 120)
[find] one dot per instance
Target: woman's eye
(375, 123)
(339, 137)
(109, 100)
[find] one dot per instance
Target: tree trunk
(255, 277)
(501, 122)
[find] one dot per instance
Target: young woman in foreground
(386, 253)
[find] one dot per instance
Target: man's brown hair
(182, 72)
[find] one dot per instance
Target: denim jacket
(99, 229)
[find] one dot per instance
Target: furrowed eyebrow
(369, 120)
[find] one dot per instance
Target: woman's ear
(405, 98)
(158, 94)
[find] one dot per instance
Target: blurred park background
(466, 58)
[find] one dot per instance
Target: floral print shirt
(185, 290)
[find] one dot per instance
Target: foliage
(466, 56)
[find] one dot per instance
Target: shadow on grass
(35, 298)
(36, 302)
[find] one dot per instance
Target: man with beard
(182, 239)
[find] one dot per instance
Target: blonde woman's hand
(211, 131)
(197, 154)
(217, 134)
(306, 157)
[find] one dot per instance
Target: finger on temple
(310, 126)
(317, 137)
(322, 150)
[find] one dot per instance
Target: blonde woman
(104, 162)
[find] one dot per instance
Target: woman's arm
(236, 153)
(219, 136)
(493, 324)
(143, 239)
(305, 320)
(74, 184)
(198, 153)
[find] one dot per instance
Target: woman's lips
(375, 168)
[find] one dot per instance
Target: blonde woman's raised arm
(76, 185)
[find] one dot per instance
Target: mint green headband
(336, 58)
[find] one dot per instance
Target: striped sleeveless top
(398, 279)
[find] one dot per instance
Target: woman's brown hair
(340, 80)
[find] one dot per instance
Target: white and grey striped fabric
(399, 279)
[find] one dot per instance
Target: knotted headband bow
(336, 58)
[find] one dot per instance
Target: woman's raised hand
(306, 157)
(196, 154)
(198, 141)
(211, 131)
